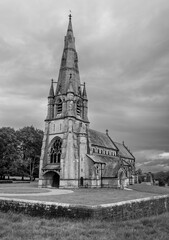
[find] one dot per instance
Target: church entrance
(81, 181)
(56, 180)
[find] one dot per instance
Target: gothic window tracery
(55, 152)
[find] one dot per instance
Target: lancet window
(56, 150)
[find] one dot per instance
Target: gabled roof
(96, 158)
(123, 151)
(112, 164)
(101, 139)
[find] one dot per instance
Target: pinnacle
(51, 91)
(84, 91)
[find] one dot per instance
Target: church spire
(69, 64)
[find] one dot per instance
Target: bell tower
(64, 148)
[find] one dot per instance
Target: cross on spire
(70, 15)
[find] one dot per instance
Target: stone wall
(126, 210)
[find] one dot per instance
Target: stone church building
(73, 155)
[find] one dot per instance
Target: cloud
(152, 160)
(164, 155)
(123, 54)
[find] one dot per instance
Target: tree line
(161, 177)
(20, 152)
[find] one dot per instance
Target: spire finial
(70, 15)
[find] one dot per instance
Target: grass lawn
(21, 188)
(151, 189)
(22, 227)
(84, 196)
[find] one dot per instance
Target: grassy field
(149, 188)
(83, 196)
(21, 188)
(21, 227)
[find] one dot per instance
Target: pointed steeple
(69, 64)
(84, 92)
(70, 24)
(51, 91)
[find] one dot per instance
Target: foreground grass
(22, 227)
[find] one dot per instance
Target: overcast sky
(123, 50)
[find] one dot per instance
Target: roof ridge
(112, 142)
(97, 131)
(129, 151)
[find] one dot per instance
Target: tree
(8, 150)
(30, 140)
(139, 171)
(160, 176)
(140, 175)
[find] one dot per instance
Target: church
(73, 155)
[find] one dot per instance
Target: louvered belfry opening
(78, 109)
(59, 106)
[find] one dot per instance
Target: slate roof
(112, 164)
(123, 152)
(102, 158)
(101, 139)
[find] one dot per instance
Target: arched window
(78, 108)
(55, 152)
(59, 106)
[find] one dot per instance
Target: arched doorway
(56, 180)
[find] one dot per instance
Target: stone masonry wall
(126, 210)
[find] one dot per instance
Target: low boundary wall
(125, 210)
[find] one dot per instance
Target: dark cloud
(123, 58)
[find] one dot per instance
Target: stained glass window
(56, 150)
